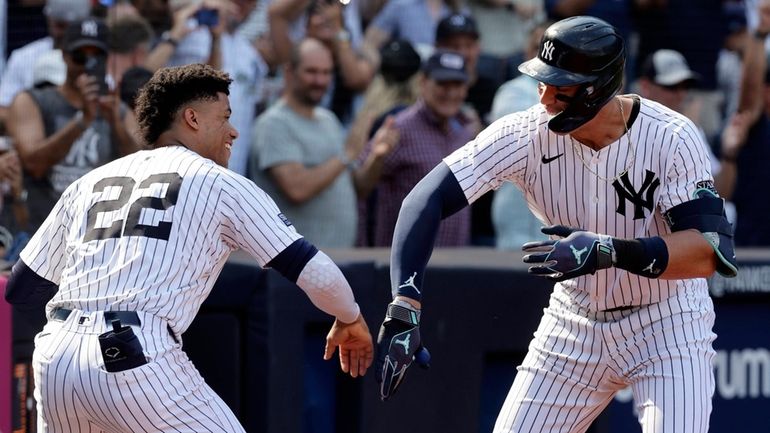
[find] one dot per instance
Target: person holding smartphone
(63, 132)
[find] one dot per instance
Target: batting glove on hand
(579, 253)
(398, 344)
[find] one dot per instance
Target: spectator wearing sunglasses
(62, 132)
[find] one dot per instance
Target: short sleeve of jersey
(498, 153)
(252, 221)
(274, 144)
(690, 168)
(46, 251)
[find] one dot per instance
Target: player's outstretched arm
(320, 278)
(437, 196)
(355, 344)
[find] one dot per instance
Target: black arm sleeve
(27, 290)
(291, 261)
(437, 196)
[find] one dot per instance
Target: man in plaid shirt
(430, 130)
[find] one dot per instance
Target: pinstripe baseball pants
(75, 394)
(578, 360)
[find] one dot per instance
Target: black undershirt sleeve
(27, 290)
(437, 196)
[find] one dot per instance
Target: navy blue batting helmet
(579, 51)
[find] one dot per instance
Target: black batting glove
(398, 344)
(579, 253)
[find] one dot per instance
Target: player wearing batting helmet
(624, 189)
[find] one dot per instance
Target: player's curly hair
(170, 89)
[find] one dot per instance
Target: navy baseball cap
(91, 32)
(456, 24)
(445, 65)
(399, 60)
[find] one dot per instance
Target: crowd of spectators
(343, 105)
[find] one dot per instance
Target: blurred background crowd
(343, 105)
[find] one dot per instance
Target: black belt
(624, 308)
(128, 318)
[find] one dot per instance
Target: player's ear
(190, 117)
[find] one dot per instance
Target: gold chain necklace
(630, 145)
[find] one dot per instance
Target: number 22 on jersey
(132, 227)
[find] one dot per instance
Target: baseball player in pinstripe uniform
(623, 186)
(133, 248)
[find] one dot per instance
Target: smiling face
(444, 98)
(215, 133)
(552, 97)
(310, 78)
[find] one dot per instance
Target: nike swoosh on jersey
(547, 160)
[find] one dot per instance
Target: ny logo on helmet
(547, 52)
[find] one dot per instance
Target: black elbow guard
(706, 214)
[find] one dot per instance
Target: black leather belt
(128, 318)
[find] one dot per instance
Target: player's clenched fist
(398, 344)
(355, 343)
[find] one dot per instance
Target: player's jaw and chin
(550, 100)
(218, 134)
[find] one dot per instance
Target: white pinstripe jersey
(670, 162)
(151, 232)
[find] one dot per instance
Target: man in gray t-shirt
(301, 158)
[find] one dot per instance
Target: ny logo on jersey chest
(641, 199)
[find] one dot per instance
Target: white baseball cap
(49, 68)
(669, 68)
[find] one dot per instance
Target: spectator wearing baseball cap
(666, 78)
(430, 129)
(18, 73)
(459, 32)
(88, 33)
(63, 132)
